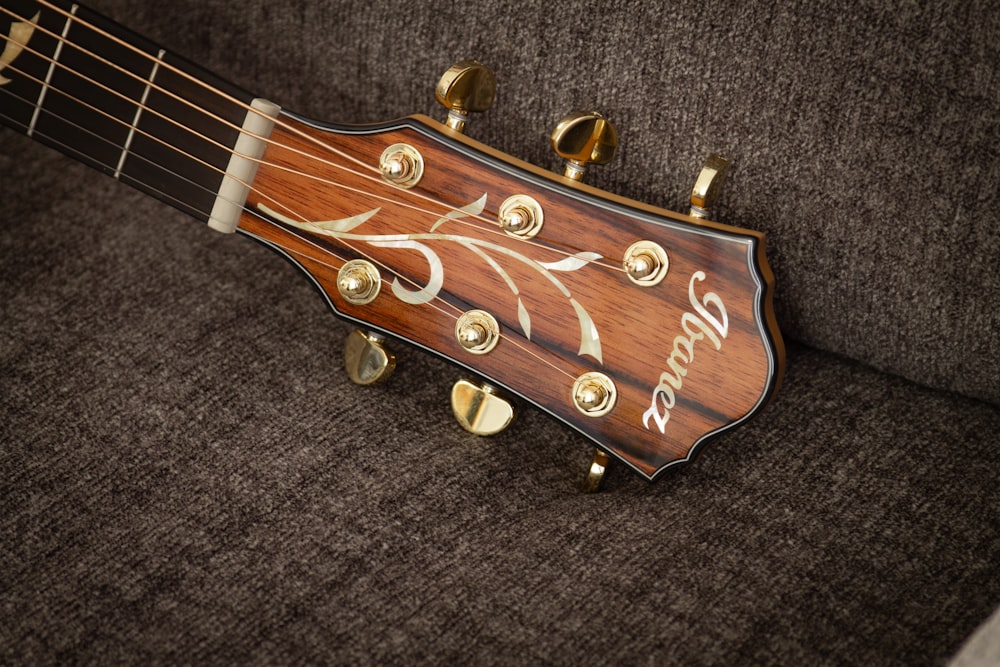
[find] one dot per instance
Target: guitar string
(511, 340)
(310, 242)
(15, 123)
(490, 226)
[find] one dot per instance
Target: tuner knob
(467, 86)
(479, 409)
(595, 474)
(708, 186)
(366, 360)
(583, 138)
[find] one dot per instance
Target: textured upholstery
(187, 475)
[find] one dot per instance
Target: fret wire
(296, 233)
(111, 117)
(52, 67)
(140, 105)
(138, 114)
(490, 224)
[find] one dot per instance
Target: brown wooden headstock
(660, 366)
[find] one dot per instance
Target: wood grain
(308, 175)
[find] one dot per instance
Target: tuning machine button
(479, 409)
(366, 360)
(595, 473)
(583, 138)
(708, 186)
(467, 87)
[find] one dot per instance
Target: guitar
(646, 331)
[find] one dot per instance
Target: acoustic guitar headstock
(644, 330)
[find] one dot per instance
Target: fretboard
(113, 100)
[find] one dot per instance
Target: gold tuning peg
(595, 474)
(467, 86)
(584, 138)
(708, 186)
(366, 360)
(479, 409)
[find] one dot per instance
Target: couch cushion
(187, 475)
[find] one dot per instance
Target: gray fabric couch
(188, 476)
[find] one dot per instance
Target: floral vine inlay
(590, 340)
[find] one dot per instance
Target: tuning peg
(708, 186)
(583, 138)
(479, 409)
(467, 86)
(366, 360)
(595, 474)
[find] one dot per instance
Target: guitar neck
(103, 95)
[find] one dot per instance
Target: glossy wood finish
(308, 175)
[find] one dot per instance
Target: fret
(138, 112)
(51, 69)
(25, 76)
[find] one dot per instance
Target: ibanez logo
(697, 326)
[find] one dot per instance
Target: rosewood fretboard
(117, 102)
